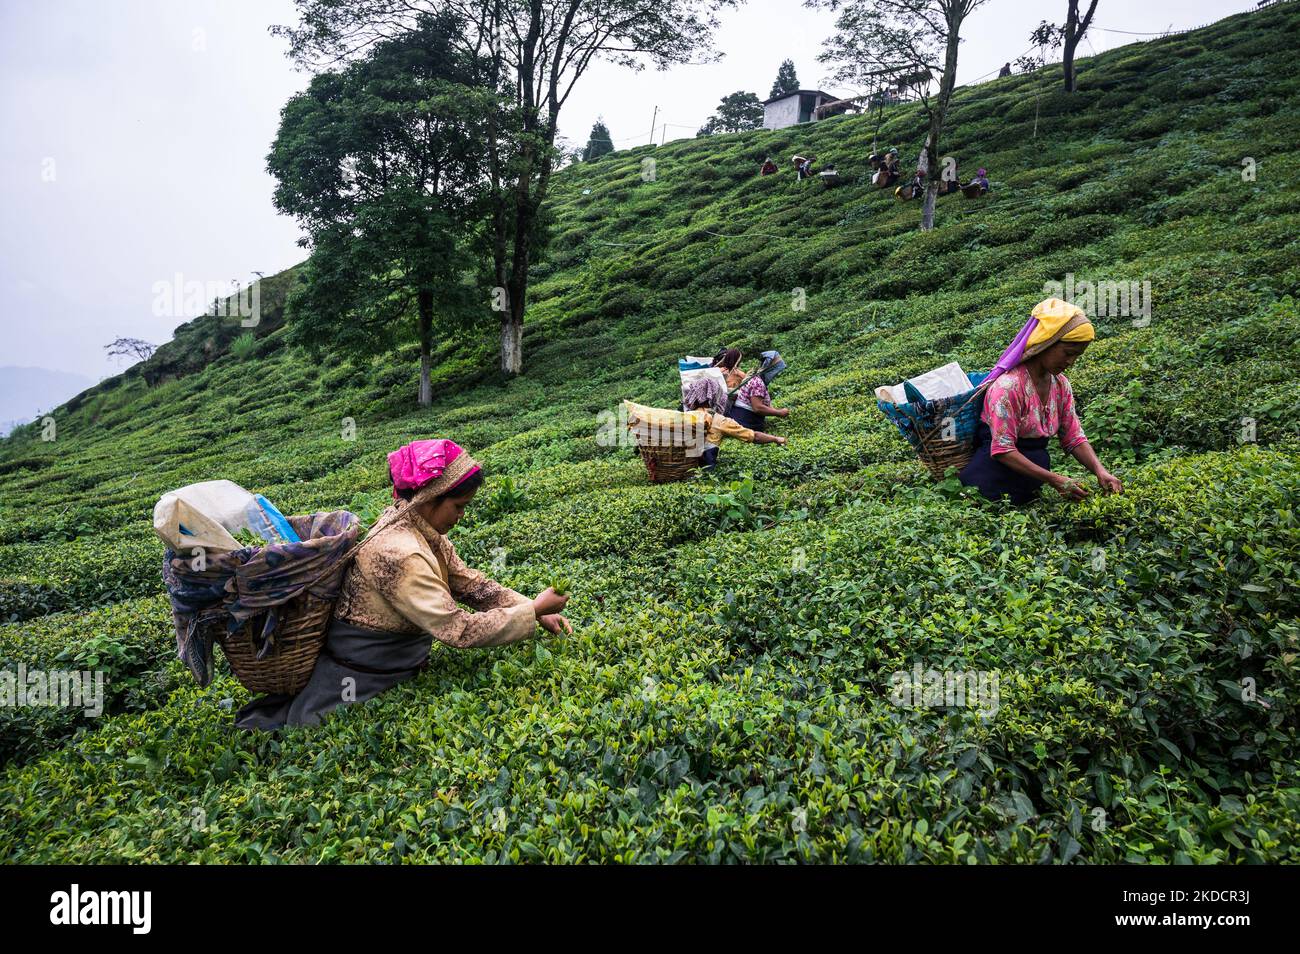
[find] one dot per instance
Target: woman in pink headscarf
(402, 591)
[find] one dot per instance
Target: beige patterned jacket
(407, 578)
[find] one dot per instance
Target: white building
(800, 106)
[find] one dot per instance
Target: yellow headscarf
(1057, 321)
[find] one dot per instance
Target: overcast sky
(134, 134)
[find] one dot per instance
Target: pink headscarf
(441, 463)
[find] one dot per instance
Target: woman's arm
(419, 592)
(473, 587)
(1085, 455)
(760, 406)
(1063, 485)
(1075, 443)
(729, 428)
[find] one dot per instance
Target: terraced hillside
(726, 696)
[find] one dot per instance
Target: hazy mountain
(25, 392)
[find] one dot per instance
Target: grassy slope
(708, 709)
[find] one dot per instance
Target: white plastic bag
(945, 381)
(203, 515)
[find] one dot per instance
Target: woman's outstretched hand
(1069, 488)
(1109, 483)
(548, 603)
(555, 624)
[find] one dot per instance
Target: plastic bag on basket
(661, 427)
(207, 515)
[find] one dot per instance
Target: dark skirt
(747, 418)
(355, 664)
(993, 479)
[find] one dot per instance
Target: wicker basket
(667, 464)
(942, 432)
(670, 442)
(298, 641)
(298, 636)
(288, 663)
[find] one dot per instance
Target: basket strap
(926, 438)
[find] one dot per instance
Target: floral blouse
(1012, 410)
(755, 387)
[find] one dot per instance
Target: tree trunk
(512, 343)
(927, 210)
(426, 346)
(1075, 28)
(1067, 62)
(512, 322)
(536, 159)
(930, 155)
(929, 159)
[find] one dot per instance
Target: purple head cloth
(1011, 357)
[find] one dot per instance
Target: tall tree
(380, 163)
(786, 80)
(1074, 30)
(910, 41)
(736, 112)
(599, 142)
(531, 53)
(1049, 36)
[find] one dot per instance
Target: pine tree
(786, 81)
(599, 142)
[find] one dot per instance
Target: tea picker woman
(753, 402)
(401, 592)
(705, 394)
(1029, 401)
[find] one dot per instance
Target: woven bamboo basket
(942, 432)
(289, 662)
(667, 464)
(670, 442)
(937, 454)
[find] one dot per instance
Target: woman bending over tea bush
(1029, 402)
(402, 589)
(704, 395)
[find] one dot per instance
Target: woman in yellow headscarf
(1028, 401)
